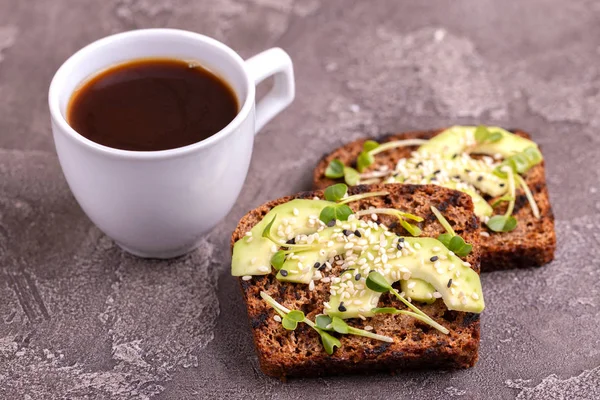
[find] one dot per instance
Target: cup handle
(273, 62)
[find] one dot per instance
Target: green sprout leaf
(289, 324)
(322, 321)
(335, 169)
(351, 176)
(484, 135)
(445, 239)
(377, 282)
(278, 259)
(502, 223)
(296, 315)
(459, 247)
(340, 326)
(336, 192)
(370, 145)
(410, 228)
(364, 160)
(339, 212)
(266, 233)
(329, 342)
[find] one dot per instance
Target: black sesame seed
(283, 272)
(433, 259)
(468, 171)
(400, 245)
(401, 239)
(433, 180)
(317, 265)
(479, 178)
(357, 233)
(456, 176)
(454, 155)
(357, 277)
(419, 164)
(341, 307)
(346, 232)
(331, 223)
(449, 283)
(437, 171)
(371, 271)
(291, 241)
(502, 185)
(322, 267)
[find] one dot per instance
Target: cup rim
(60, 75)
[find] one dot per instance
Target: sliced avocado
(481, 207)
(458, 139)
(252, 254)
(302, 269)
(458, 285)
(418, 290)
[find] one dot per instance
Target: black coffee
(152, 104)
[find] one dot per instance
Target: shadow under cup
(155, 203)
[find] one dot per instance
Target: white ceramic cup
(158, 204)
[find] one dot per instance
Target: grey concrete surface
(79, 319)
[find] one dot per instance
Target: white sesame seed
(295, 211)
(374, 217)
(362, 317)
(263, 268)
(253, 260)
(475, 296)
(466, 264)
(248, 233)
(348, 245)
(484, 234)
(411, 285)
(437, 295)
(417, 245)
(368, 328)
(326, 305)
(277, 318)
(326, 279)
(435, 249)
(246, 277)
(330, 243)
(311, 285)
(250, 238)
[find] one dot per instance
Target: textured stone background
(81, 319)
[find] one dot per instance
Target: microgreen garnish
(402, 218)
(502, 223)
(335, 192)
(371, 148)
(338, 325)
(532, 203)
(506, 222)
(341, 211)
(336, 169)
(484, 135)
(450, 239)
(291, 318)
(378, 283)
(520, 163)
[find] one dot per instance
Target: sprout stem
(443, 221)
(388, 211)
(511, 189)
(532, 203)
(357, 197)
(396, 144)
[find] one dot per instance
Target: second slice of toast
(531, 244)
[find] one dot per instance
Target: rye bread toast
(531, 244)
(299, 353)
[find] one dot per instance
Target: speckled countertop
(81, 319)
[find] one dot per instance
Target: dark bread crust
(299, 353)
(531, 244)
